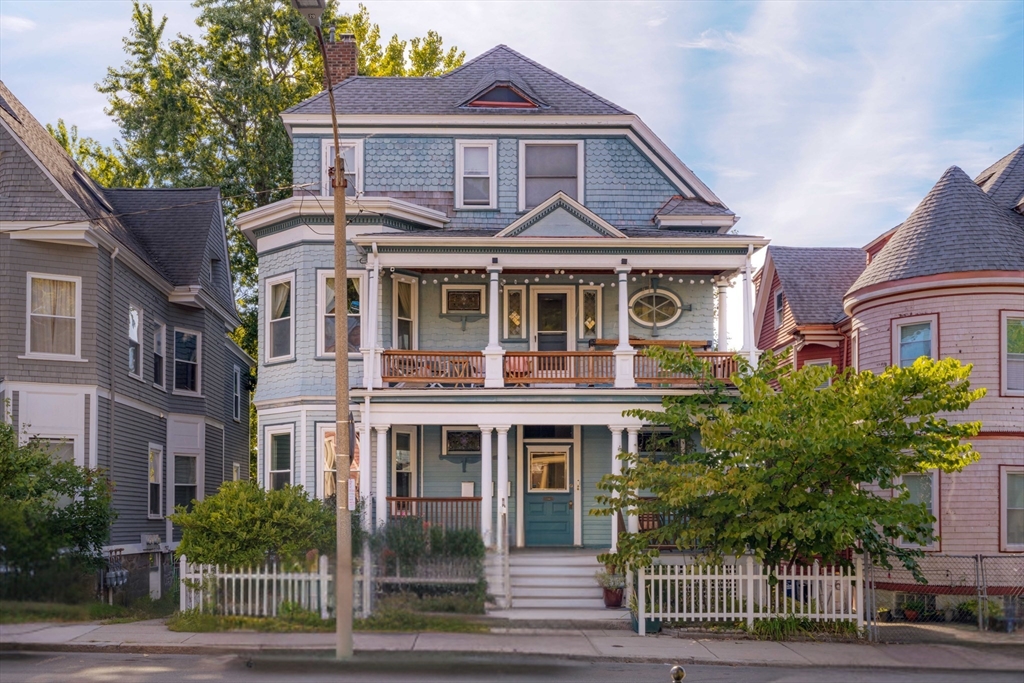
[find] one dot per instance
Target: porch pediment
(561, 216)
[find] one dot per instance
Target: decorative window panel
(590, 312)
(462, 441)
(462, 299)
(654, 307)
(515, 312)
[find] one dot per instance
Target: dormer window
(503, 96)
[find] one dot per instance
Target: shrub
(245, 525)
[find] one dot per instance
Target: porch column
(633, 523)
(365, 465)
(502, 533)
(748, 312)
(616, 470)
(723, 314)
(367, 345)
(624, 353)
(494, 355)
(382, 473)
(486, 485)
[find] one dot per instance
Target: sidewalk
(153, 637)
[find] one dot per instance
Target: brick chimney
(342, 58)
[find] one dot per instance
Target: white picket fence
(254, 591)
(677, 588)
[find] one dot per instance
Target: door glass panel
(551, 312)
(403, 465)
(549, 471)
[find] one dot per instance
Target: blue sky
(819, 123)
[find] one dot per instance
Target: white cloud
(654, 23)
(759, 46)
(15, 24)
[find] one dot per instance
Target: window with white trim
(924, 489)
(590, 312)
(279, 451)
(186, 480)
(476, 174)
(780, 308)
(326, 310)
(548, 167)
(654, 307)
(463, 299)
(156, 477)
(134, 341)
(1012, 513)
(236, 393)
(515, 312)
(406, 303)
(913, 338)
(1012, 353)
(327, 458)
(280, 318)
(352, 156)
(403, 463)
(824, 363)
(159, 340)
(54, 317)
(188, 357)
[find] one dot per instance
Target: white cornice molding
(689, 221)
(78, 234)
(405, 239)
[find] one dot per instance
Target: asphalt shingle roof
(814, 280)
(957, 227)
(1003, 181)
(445, 94)
(683, 206)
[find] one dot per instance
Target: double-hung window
(187, 361)
(780, 308)
(156, 459)
(54, 317)
(1012, 513)
(913, 338)
(280, 461)
(326, 343)
(134, 341)
(547, 168)
(923, 488)
(236, 393)
(159, 339)
(476, 174)
(352, 156)
(1012, 353)
(825, 363)
(186, 480)
(405, 305)
(280, 318)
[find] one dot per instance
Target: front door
(552, 321)
(548, 505)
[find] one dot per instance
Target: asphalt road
(39, 667)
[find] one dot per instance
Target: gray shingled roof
(957, 227)
(170, 240)
(814, 280)
(444, 94)
(683, 206)
(1003, 181)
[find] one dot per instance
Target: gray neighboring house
(114, 344)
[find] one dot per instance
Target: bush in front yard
(243, 525)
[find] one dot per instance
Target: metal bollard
(678, 673)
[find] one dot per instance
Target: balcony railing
(648, 370)
(559, 367)
(449, 513)
(433, 368)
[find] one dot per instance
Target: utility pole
(311, 10)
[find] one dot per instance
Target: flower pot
(910, 614)
(650, 625)
(613, 597)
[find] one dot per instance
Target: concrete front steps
(557, 579)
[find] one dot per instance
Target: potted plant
(884, 614)
(613, 584)
(913, 608)
(650, 625)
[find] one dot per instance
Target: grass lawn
(388, 620)
(16, 612)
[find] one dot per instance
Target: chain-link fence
(966, 598)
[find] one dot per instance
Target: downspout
(110, 371)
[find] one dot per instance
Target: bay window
(187, 361)
(326, 343)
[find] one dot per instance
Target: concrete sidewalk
(612, 644)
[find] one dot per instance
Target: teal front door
(548, 504)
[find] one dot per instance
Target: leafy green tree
(51, 511)
(103, 164)
(792, 471)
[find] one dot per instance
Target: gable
(27, 193)
(561, 216)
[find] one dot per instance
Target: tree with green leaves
(103, 164)
(791, 470)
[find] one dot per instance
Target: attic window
(503, 96)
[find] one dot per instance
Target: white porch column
(633, 523)
(365, 485)
(494, 375)
(616, 470)
(748, 311)
(486, 485)
(723, 314)
(382, 474)
(368, 342)
(502, 529)
(624, 353)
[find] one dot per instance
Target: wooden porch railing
(432, 367)
(648, 370)
(559, 367)
(449, 513)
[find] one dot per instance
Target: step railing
(449, 513)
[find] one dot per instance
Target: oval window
(654, 307)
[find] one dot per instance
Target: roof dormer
(503, 89)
